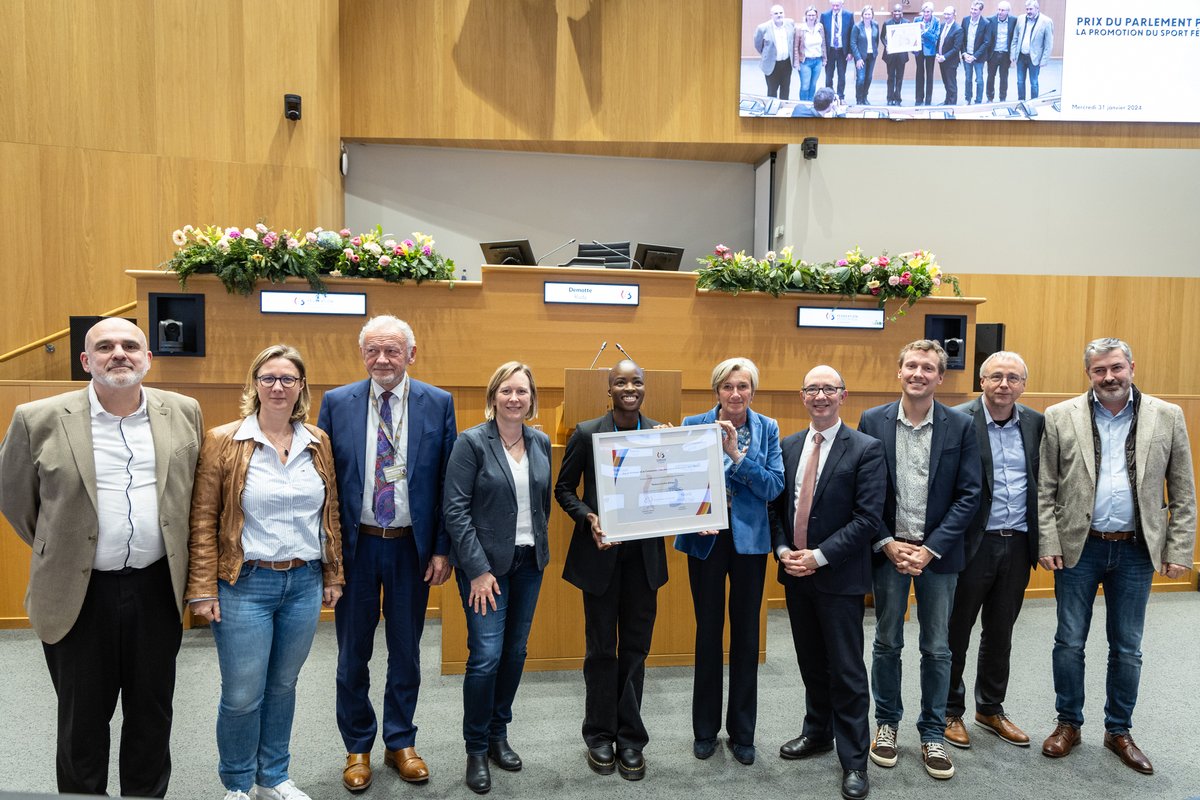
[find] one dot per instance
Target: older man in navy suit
(838, 24)
(391, 437)
(933, 491)
(822, 525)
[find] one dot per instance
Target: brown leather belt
(278, 566)
(386, 533)
(1113, 536)
(906, 540)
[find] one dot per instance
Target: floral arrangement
(241, 257)
(907, 277)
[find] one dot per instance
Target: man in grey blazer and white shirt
(774, 40)
(1030, 48)
(1106, 458)
(99, 483)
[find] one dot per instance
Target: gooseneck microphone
(598, 352)
(622, 349)
(555, 250)
(625, 256)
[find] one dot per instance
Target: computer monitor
(612, 260)
(659, 256)
(514, 253)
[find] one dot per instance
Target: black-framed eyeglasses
(828, 391)
(287, 381)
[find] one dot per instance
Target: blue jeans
(1025, 66)
(935, 597)
(1125, 571)
(973, 70)
(810, 71)
(496, 644)
(268, 620)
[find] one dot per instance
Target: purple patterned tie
(385, 497)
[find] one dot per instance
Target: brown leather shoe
(357, 774)
(1129, 753)
(1003, 727)
(410, 765)
(956, 733)
(1061, 742)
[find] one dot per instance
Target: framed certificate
(660, 482)
(904, 38)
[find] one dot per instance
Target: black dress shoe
(744, 753)
(504, 756)
(855, 785)
(601, 759)
(631, 764)
(479, 777)
(704, 748)
(803, 747)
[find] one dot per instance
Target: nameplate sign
(592, 294)
(867, 318)
(349, 304)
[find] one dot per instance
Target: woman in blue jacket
(753, 478)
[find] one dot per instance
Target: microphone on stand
(622, 349)
(598, 352)
(555, 250)
(624, 256)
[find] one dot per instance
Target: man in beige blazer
(98, 483)
(1106, 458)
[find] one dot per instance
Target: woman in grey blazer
(496, 503)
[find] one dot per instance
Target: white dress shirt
(281, 503)
(399, 404)
(126, 489)
(827, 437)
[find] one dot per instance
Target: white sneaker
(233, 794)
(284, 791)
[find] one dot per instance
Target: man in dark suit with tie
(977, 45)
(1004, 24)
(933, 490)
(837, 23)
(822, 524)
(391, 437)
(1001, 547)
(620, 584)
(895, 61)
(950, 46)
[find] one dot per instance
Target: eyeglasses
(1001, 377)
(287, 381)
(828, 391)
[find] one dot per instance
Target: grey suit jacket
(1041, 42)
(764, 43)
(1067, 487)
(479, 500)
(48, 494)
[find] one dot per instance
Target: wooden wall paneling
(15, 85)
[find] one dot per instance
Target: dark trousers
(949, 70)
(895, 79)
(123, 644)
(925, 66)
(862, 79)
(836, 62)
(746, 575)
(997, 62)
(827, 631)
(617, 627)
(779, 82)
(390, 566)
(992, 588)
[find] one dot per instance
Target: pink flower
(311, 237)
(354, 258)
(893, 280)
(906, 279)
(356, 241)
(269, 240)
(875, 262)
(384, 261)
(842, 262)
(348, 253)
(884, 261)
(396, 251)
(875, 291)
(426, 250)
(937, 281)
(408, 244)
(728, 256)
(866, 269)
(344, 232)
(233, 233)
(293, 243)
(261, 228)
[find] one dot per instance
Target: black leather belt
(1006, 532)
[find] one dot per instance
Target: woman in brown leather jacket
(265, 554)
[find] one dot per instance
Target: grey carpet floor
(549, 709)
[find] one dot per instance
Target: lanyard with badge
(397, 471)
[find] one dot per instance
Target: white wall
(463, 197)
(1062, 211)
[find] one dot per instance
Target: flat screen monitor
(615, 254)
(659, 256)
(513, 253)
